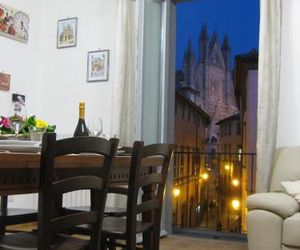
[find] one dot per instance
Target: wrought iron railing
(210, 189)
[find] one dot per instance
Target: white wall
(64, 70)
(54, 80)
(289, 105)
(22, 60)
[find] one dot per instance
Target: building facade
(191, 124)
(209, 75)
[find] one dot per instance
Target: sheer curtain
(125, 83)
(268, 89)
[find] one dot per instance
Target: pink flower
(4, 122)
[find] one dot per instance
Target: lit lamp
(235, 182)
(235, 204)
(227, 167)
(176, 192)
(205, 176)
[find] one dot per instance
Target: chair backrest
(286, 167)
(151, 179)
(95, 178)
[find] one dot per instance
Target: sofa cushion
(286, 167)
(281, 204)
(290, 231)
(292, 188)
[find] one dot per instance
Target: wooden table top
(32, 160)
(19, 171)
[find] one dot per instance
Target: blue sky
(239, 19)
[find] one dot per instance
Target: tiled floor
(191, 243)
(176, 242)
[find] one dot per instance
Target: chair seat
(28, 241)
(115, 211)
(117, 226)
(18, 212)
(110, 211)
(13, 216)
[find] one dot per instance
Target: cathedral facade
(207, 79)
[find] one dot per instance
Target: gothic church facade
(207, 79)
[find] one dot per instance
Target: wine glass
(16, 116)
(95, 126)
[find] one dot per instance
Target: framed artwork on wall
(98, 66)
(14, 23)
(4, 81)
(67, 32)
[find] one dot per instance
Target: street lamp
(235, 204)
(235, 182)
(205, 176)
(227, 167)
(176, 193)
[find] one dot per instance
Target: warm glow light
(176, 192)
(235, 182)
(235, 204)
(227, 167)
(205, 176)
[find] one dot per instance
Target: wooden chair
(13, 216)
(50, 219)
(110, 211)
(152, 181)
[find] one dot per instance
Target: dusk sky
(239, 19)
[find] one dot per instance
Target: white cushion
(292, 188)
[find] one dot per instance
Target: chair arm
(281, 204)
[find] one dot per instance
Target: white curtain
(125, 83)
(268, 89)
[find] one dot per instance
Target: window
(229, 128)
(238, 128)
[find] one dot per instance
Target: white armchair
(273, 219)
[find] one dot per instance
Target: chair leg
(147, 240)
(3, 208)
(111, 244)
(2, 228)
(156, 232)
(131, 242)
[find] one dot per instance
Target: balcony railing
(210, 190)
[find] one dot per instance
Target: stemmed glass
(16, 116)
(95, 126)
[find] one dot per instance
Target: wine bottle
(81, 129)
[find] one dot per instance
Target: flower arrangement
(29, 122)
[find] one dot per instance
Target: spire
(189, 51)
(189, 62)
(225, 45)
(204, 33)
(203, 43)
(214, 39)
(226, 51)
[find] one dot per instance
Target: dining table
(19, 171)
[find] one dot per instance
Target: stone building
(209, 76)
(190, 132)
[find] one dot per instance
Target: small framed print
(4, 81)
(98, 66)
(67, 33)
(14, 23)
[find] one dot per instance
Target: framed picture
(67, 32)
(4, 81)
(14, 23)
(98, 66)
